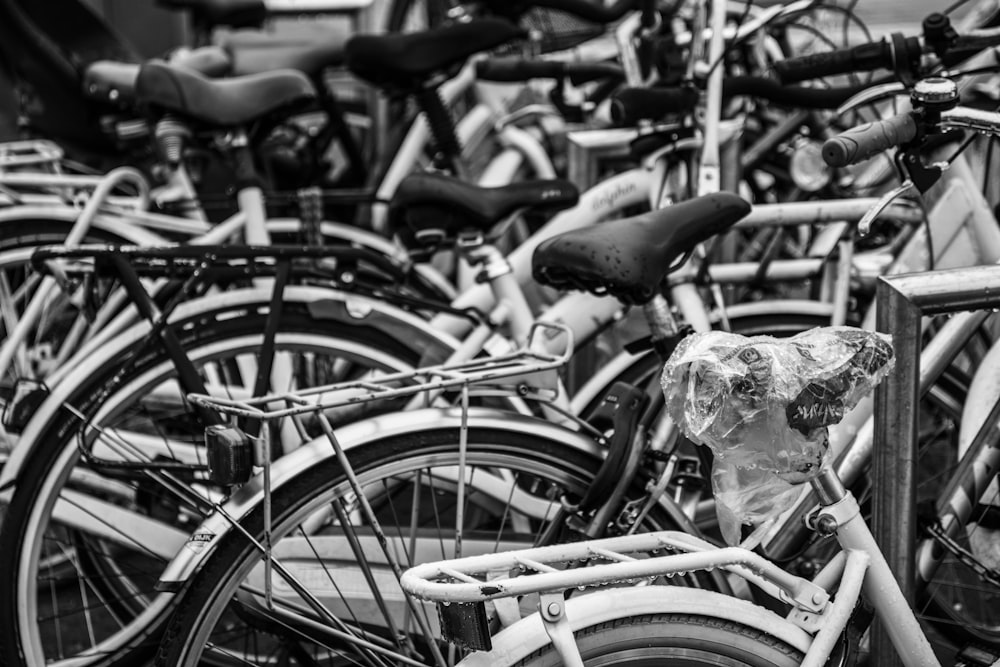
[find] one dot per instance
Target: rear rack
(628, 559)
(185, 261)
(37, 154)
(516, 367)
(36, 172)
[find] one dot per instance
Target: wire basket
(551, 30)
(558, 30)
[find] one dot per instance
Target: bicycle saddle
(232, 13)
(763, 405)
(114, 81)
(221, 102)
(629, 258)
(253, 52)
(435, 207)
(406, 60)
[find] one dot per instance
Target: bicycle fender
(119, 226)
(528, 635)
(215, 527)
(610, 371)
(325, 303)
(362, 237)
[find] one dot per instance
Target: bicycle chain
(985, 573)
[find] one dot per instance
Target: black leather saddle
(434, 207)
(221, 102)
(253, 52)
(629, 258)
(232, 13)
(406, 60)
(114, 81)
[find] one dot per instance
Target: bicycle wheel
(674, 639)
(962, 598)
(514, 486)
(115, 521)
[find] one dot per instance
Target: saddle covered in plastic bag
(763, 405)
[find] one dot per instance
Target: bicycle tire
(29, 523)
(680, 639)
(540, 467)
(18, 239)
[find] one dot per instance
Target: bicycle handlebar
(861, 58)
(588, 10)
(631, 105)
(888, 53)
(866, 141)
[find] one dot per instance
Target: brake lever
(872, 94)
(865, 225)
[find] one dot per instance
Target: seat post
(496, 270)
(829, 489)
(249, 195)
(170, 135)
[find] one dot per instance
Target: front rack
(522, 369)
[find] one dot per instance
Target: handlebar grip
(518, 69)
(582, 72)
(865, 141)
(861, 58)
(631, 105)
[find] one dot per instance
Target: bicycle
(607, 625)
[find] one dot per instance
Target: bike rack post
(902, 301)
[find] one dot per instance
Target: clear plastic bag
(763, 406)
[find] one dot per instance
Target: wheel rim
(423, 485)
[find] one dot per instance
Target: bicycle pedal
(978, 655)
(465, 624)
